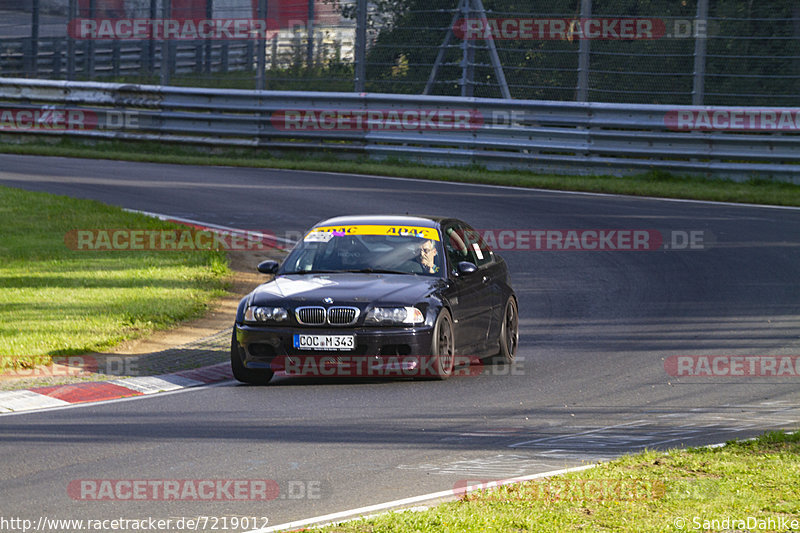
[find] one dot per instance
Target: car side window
(455, 246)
(480, 251)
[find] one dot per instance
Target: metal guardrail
(698, 52)
(561, 137)
(121, 58)
(103, 59)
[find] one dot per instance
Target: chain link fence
(737, 52)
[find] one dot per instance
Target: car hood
(346, 288)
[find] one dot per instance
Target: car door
(473, 293)
(491, 271)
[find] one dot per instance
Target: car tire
(509, 334)
(443, 346)
(246, 375)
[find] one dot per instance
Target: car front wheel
(509, 334)
(443, 346)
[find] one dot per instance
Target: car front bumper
(379, 351)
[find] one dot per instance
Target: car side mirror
(268, 267)
(465, 267)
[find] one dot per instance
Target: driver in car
(425, 260)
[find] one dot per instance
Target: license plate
(325, 342)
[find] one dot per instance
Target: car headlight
(394, 315)
(265, 314)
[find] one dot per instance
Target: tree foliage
(753, 52)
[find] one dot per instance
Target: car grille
(334, 316)
(310, 316)
(342, 316)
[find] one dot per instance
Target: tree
(753, 48)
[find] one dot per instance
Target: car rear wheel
(443, 346)
(246, 375)
(509, 334)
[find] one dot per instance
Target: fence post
(493, 55)
(198, 57)
(115, 58)
(699, 85)
(310, 33)
(274, 53)
(796, 27)
(261, 49)
(26, 57)
(90, 43)
(34, 38)
(57, 47)
(467, 54)
(207, 47)
(166, 48)
(224, 56)
(361, 46)
(584, 49)
(71, 15)
(150, 53)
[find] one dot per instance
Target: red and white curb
(97, 391)
(62, 395)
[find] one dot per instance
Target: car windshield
(369, 249)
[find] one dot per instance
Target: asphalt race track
(596, 333)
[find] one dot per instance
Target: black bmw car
(378, 296)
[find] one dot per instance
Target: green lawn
(58, 301)
(755, 482)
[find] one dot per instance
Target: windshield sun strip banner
(325, 233)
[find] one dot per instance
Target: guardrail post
(261, 49)
(584, 49)
(361, 46)
(700, 28)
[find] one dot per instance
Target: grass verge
(58, 301)
(653, 183)
(755, 485)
